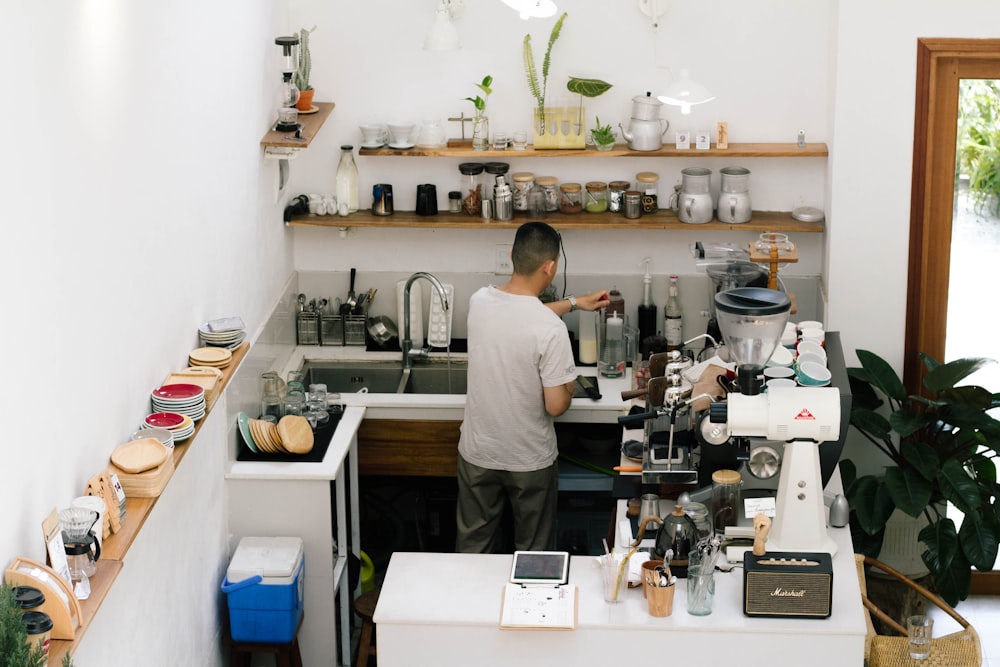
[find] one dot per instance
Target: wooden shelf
(116, 546)
(762, 221)
(620, 150)
(310, 128)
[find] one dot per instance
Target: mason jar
(596, 200)
(648, 182)
(472, 186)
(570, 199)
(523, 181)
(550, 190)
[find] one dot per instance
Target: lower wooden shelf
(762, 221)
(100, 584)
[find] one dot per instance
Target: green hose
(587, 464)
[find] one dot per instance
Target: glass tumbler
(294, 404)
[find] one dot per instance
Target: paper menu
(538, 607)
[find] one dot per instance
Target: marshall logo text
(782, 593)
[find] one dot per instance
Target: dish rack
(337, 330)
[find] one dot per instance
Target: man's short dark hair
(534, 244)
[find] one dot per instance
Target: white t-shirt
(517, 346)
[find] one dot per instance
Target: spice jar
(597, 197)
(616, 195)
(648, 182)
(570, 200)
(455, 201)
(551, 192)
(725, 498)
(472, 186)
(523, 181)
(633, 204)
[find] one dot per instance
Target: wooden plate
(139, 455)
(210, 356)
(296, 435)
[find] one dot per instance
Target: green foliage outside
(979, 141)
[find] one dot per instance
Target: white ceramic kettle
(646, 129)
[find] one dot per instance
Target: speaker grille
(788, 594)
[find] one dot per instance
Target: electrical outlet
(502, 264)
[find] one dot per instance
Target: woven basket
(958, 649)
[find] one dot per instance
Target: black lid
(347, 147)
(753, 301)
(36, 622)
(28, 597)
(454, 194)
(497, 167)
(471, 168)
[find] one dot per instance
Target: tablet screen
(540, 567)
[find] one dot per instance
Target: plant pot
(305, 100)
(563, 128)
(604, 147)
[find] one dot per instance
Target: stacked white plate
(183, 399)
(229, 339)
(181, 426)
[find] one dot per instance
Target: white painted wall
(136, 204)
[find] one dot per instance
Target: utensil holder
(331, 331)
(355, 328)
(660, 600)
(307, 328)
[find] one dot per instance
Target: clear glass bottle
(570, 199)
(648, 182)
(523, 181)
(551, 192)
(347, 180)
(674, 321)
(596, 200)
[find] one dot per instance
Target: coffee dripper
(80, 543)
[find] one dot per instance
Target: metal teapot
(646, 128)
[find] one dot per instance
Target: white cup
(94, 504)
(400, 132)
(374, 134)
(813, 334)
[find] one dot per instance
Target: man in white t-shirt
(521, 376)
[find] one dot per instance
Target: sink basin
(384, 377)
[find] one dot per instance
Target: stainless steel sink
(387, 377)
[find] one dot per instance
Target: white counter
(444, 609)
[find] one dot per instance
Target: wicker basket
(958, 649)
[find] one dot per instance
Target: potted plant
(587, 88)
(303, 71)
(480, 122)
(551, 125)
(603, 135)
(943, 449)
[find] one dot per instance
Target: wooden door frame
(941, 63)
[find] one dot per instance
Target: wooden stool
(285, 655)
(364, 606)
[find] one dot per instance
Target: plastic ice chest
(264, 587)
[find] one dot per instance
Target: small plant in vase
(603, 135)
(481, 123)
(303, 71)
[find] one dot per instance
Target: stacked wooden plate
(291, 435)
(181, 426)
(215, 357)
(143, 466)
(184, 399)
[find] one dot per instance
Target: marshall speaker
(788, 585)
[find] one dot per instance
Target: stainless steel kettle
(678, 533)
(646, 128)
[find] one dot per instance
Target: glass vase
(481, 133)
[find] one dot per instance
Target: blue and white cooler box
(264, 587)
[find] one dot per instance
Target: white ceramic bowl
(811, 347)
(776, 372)
(782, 357)
(814, 375)
(811, 358)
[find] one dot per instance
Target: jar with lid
(725, 499)
(551, 192)
(523, 181)
(348, 194)
(494, 169)
(472, 186)
(596, 200)
(570, 199)
(648, 182)
(536, 202)
(633, 204)
(455, 201)
(616, 195)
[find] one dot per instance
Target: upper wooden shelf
(620, 150)
(762, 221)
(310, 128)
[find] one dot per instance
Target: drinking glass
(700, 591)
(499, 141)
(614, 575)
(520, 140)
(920, 628)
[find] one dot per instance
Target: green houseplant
(481, 122)
(943, 449)
(603, 135)
(547, 121)
(303, 71)
(14, 649)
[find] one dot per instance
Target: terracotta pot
(305, 100)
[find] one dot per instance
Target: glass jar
(633, 204)
(455, 201)
(596, 200)
(648, 182)
(570, 199)
(493, 169)
(550, 190)
(523, 181)
(616, 195)
(536, 203)
(472, 186)
(725, 499)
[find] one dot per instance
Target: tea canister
(570, 199)
(523, 181)
(616, 195)
(550, 190)
(633, 204)
(597, 197)
(648, 182)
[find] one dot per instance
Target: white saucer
(380, 145)
(401, 147)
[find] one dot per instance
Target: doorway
(941, 66)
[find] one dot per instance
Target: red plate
(178, 391)
(164, 419)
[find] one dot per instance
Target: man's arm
(557, 399)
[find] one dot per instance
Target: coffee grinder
(289, 95)
(752, 320)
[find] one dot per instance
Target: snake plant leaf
(872, 504)
(979, 540)
(958, 487)
(587, 87)
(910, 490)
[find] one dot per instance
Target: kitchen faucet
(407, 342)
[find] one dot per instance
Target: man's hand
(593, 301)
